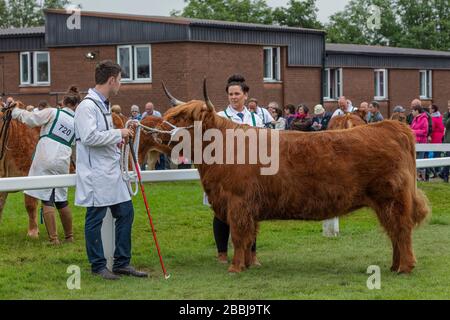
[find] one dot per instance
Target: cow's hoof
(405, 269)
(235, 269)
(394, 268)
(33, 234)
(255, 261)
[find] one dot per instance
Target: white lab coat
(50, 157)
(265, 115)
(231, 114)
(99, 178)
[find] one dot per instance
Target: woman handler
(236, 111)
(52, 157)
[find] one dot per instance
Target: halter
(4, 130)
(172, 132)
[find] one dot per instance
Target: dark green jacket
(447, 131)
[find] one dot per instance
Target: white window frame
(29, 68)
(133, 63)
(385, 84)
(149, 79)
(130, 61)
(35, 68)
(428, 75)
(338, 84)
(277, 76)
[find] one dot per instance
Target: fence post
(108, 238)
(330, 227)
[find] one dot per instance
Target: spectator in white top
(342, 107)
(150, 111)
(263, 113)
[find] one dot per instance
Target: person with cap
(320, 119)
(399, 114)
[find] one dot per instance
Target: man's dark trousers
(124, 215)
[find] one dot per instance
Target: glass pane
(326, 84)
(429, 84)
(338, 83)
(25, 77)
(422, 84)
(275, 63)
(332, 84)
(376, 83)
(42, 68)
(267, 63)
(143, 62)
(381, 84)
(124, 62)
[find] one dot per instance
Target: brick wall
(184, 65)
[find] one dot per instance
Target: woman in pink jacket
(438, 125)
(419, 126)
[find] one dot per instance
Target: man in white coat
(99, 179)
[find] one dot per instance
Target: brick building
(287, 65)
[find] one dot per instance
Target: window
(272, 64)
(333, 84)
(426, 84)
(25, 67)
(135, 62)
(34, 68)
(380, 84)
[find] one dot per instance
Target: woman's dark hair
(43, 104)
(105, 70)
(434, 108)
(304, 107)
(237, 80)
(375, 104)
(279, 112)
(418, 108)
(72, 97)
(291, 108)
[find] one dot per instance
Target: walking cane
(138, 171)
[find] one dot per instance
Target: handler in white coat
(52, 157)
(236, 111)
(99, 179)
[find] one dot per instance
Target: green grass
(297, 262)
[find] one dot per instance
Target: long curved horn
(174, 101)
(205, 95)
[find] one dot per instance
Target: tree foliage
(26, 13)
(421, 24)
(296, 14)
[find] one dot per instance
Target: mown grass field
(297, 262)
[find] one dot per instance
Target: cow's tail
(421, 209)
(420, 205)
